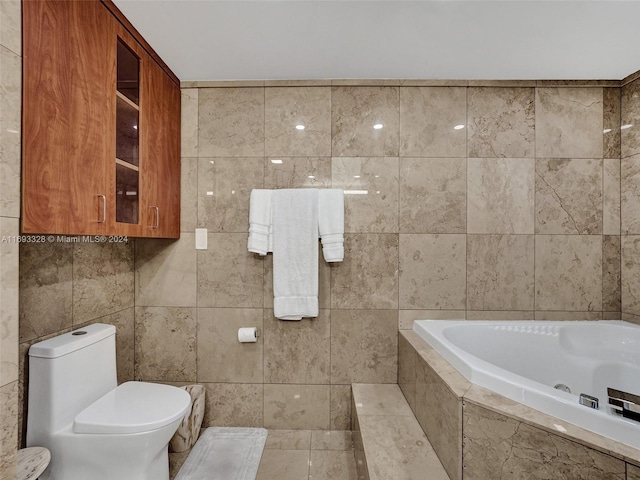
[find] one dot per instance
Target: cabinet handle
(104, 208)
(157, 216)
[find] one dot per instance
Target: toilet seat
(133, 407)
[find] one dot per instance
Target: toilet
(95, 429)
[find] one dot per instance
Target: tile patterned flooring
(301, 455)
(308, 455)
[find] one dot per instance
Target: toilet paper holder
(248, 334)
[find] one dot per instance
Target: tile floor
(307, 455)
(300, 455)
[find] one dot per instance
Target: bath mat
(225, 453)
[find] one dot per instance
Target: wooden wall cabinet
(101, 126)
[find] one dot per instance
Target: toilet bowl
(95, 429)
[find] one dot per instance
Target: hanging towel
(295, 253)
(331, 223)
(259, 221)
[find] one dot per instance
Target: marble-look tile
(428, 116)
(46, 289)
(629, 317)
(188, 194)
(189, 122)
(611, 315)
(371, 193)
(220, 357)
(566, 316)
(234, 405)
(340, 407)
(165, 344)
(368, 276)
(433, 195)
(229, 275)
(630, 195)
(364, 346)
(166, 272)
(611, 197)
(407, 317)
(288, 440)
(500, 315)
(569, 122)
(380, 400)
(296, 406)
(631, 274)
(288, 107)
(9, 301)
(327, 464)
(324, 281)
(297, 352)
(10, 126)
(284, 465)
(611, 266)
(11, 31)
(354, 112)
(611, 122)
(568, 272)
(338, 440)
(399, 450)
(568, 196)
(231, 122)
(297, 172)
(189, 429)
(439, 412)
(501, 195)
(124, 321)
(633, 472)
(501, 122)
(433, 271)
(103, 279)
(497, 447)
(8, 429)
(500, 272)
(407, 359)
(224, 187)
(630, 119)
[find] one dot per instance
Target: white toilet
(95, 429)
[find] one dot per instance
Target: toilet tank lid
(72, 341)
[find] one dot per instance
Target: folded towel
(259, 221)
(295, 253)
(331, 223)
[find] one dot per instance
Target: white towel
(259, 221)
(295, 253)
(331, 223)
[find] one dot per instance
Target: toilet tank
(68, 373)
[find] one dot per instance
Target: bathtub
(524, 361)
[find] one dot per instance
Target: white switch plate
(201, 238)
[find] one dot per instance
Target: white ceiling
(450, 39)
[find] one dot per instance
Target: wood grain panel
(163, 173)
(68, 63)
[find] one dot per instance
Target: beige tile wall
(630, 200)
(516, 215)
(10, 127)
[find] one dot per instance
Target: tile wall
(630, 200)
(516, 215)
(10, 85)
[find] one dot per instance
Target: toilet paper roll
(248, 335)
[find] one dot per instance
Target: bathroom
(526, 212)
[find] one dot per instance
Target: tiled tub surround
(480, 435)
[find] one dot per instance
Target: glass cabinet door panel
(127, 138)
(127, 194)
(128, 73)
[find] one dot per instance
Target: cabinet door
(162, 173)
(128, 152)
(68, 61)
